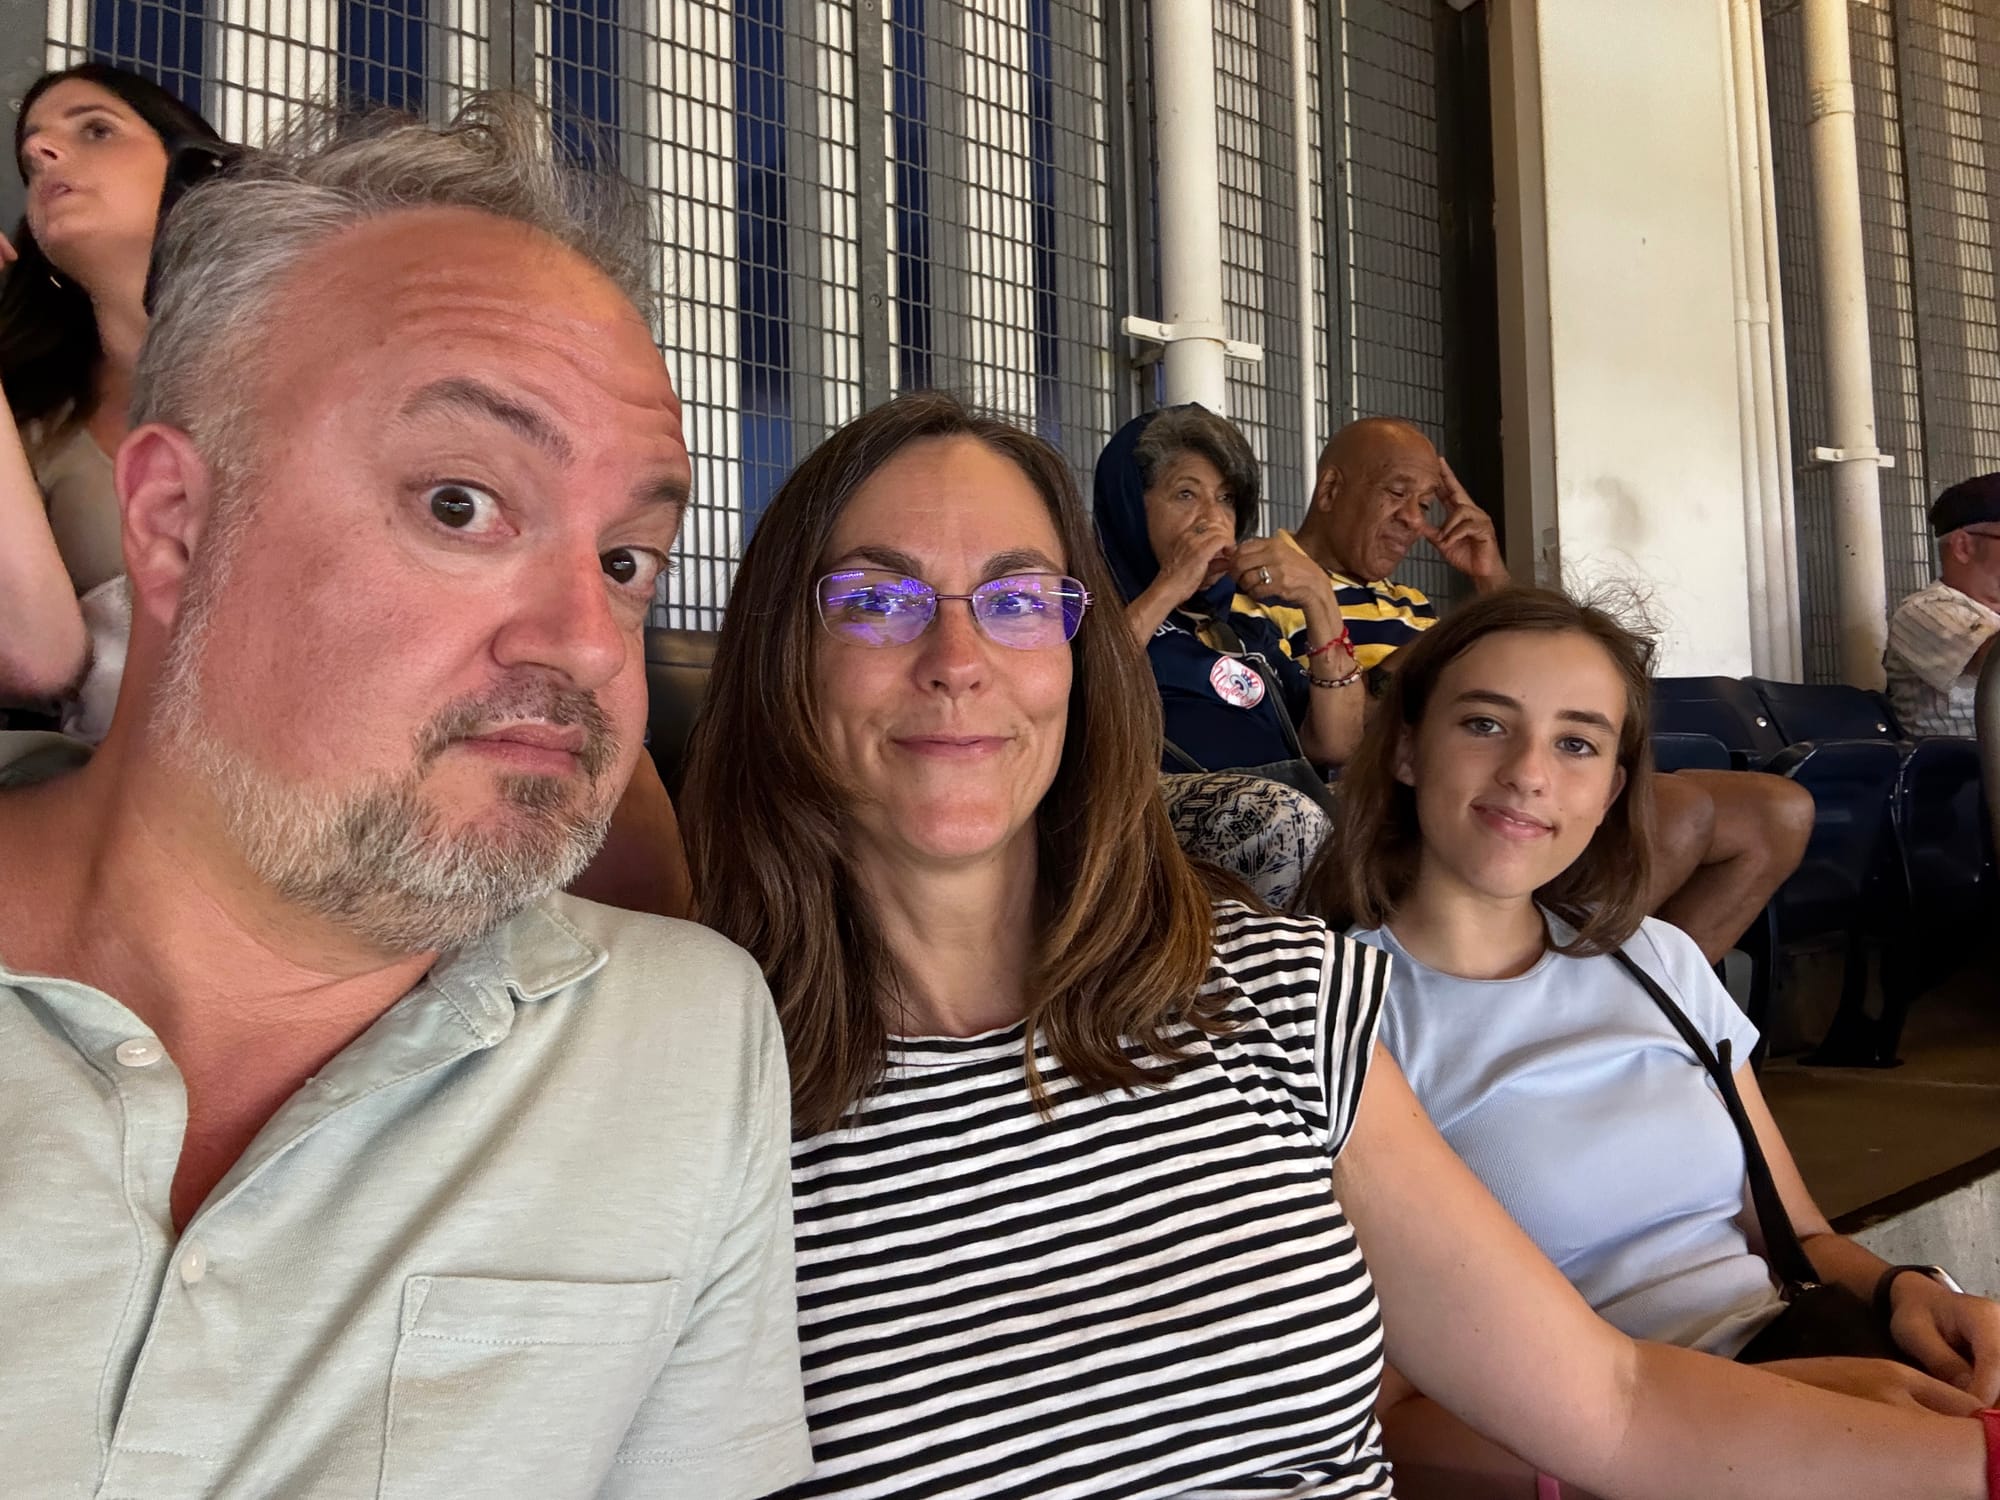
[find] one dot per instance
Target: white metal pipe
(1745, 19)
(1756, 564)
(1793, 635)
(1843, 296)
(1302, 104)
(1190, 200)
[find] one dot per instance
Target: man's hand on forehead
(1464, 537)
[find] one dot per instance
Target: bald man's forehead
(1374, 442)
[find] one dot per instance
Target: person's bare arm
(1466, 538)
(642, 866)
(1954, 1336)
(1476, 1316)
(42, 641)
(1438, 1457)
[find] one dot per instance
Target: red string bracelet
(1990, 1420)
(1340, 640)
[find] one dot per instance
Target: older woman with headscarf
(1176, 500)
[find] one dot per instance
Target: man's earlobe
(166, 495)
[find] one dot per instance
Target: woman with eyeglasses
(1086, 1151)
(92, 144)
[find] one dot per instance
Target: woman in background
(93, 144)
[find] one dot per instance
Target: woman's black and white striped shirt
(1150, 1294)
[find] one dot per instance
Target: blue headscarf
(1119, 508)
(1215, 732)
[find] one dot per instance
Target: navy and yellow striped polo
(1381, 617)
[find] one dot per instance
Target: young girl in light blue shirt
(1496, 840)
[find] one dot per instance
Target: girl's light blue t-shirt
(1575, 1101)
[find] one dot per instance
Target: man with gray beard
(339, 1154)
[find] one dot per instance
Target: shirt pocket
(505, 1388)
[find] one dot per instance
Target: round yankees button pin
(1236, 683)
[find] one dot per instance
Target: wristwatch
(1887, 1280)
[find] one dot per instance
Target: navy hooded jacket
(1216, 709)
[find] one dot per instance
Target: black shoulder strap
(1781, 1241)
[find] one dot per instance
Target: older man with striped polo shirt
(1377, 479)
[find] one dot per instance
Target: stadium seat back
(1944, 829)
(1719, 706)
(677, 667)
(1690, 752)
(1804, 711)
(1848, 860)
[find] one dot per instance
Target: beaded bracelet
(1334, 682)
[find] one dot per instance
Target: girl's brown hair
(1124, 922)
(1364, 873)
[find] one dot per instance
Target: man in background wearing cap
(1939, 636)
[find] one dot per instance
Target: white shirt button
(194, 1264)
(140, 1052)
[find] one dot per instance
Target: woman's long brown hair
(1124, 922)
(1364, 873)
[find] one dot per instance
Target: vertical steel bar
(871, 179)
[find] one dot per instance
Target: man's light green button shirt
(527, 1238)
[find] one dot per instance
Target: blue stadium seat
(677, 667)
(1721, 707)
(1849, 884)
(1690, 752)
(1941, 845)
(1802, 711)
(1944, 837)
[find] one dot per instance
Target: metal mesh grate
(246, 64)
(164, 39)
(1393, 362)
(1921, 124)
(1253, 93)
(742, 131)
(997, 210)
(1379, 339)
(1818, 617)
(1949, 57)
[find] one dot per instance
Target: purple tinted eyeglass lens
(876, 608)
(1030, 610)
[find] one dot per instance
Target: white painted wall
(1620, 399)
